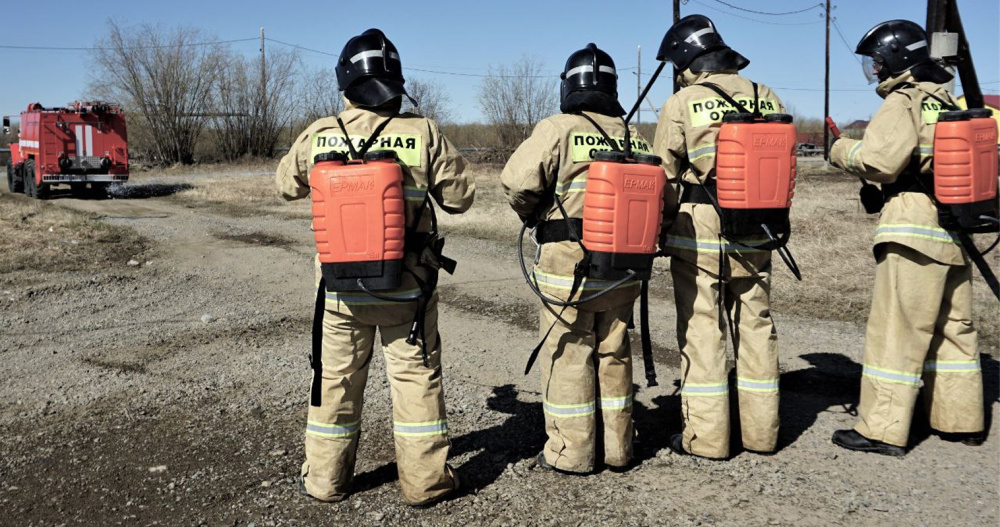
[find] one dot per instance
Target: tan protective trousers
(704, 376)
(920, 326)
(586, 365)
(419, 421)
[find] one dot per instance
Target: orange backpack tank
(755, 162)
(622, 214)
(965, 169)
(359, 220)
(755, 174)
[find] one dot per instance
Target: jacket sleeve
(886, 147)
(670, 144)
(453, 188)
(292, 176)
(531, 170)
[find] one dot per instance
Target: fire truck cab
(79, 145)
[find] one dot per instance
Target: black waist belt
(692, 193)
(923, 183)
(552, 231)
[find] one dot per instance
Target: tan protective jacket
(685, 138)
(553, 163)
(430, 164)
(900, 138)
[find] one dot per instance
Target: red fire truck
(79, 145)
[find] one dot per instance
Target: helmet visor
(868, 67)
(872, 68)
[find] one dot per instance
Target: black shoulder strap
(347, 139)
(359, 154)
(611, 142)
(371, 139)
(725, 96)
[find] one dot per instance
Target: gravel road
(174, 392)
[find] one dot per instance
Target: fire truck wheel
(15, 180)
(30, 188)
(42, 191)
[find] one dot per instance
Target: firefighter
(369, 73)
(920, 326)
(585, 356)
(709, 273)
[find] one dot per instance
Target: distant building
(993, 103)
(856, 130)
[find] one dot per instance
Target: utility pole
(263, 77)
(638, 86)
(677, 17)
(826, 88)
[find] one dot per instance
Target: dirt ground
(164, 382)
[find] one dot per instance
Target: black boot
(852, 440)
(966, 438)
(677, 445)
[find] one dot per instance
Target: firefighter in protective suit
(710, 274)
(369, 73)
(920, 327)
(585, 359)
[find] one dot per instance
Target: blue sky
(466, 37)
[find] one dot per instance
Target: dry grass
(42, 237)
(490, 217)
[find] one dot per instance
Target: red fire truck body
(82, 144)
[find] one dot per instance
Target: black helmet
(369, 71)
(693, 42)
(898, 46)
(590, 82)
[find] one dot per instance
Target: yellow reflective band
(953, 366)
(714, 389)
(892, 376)
(930, 110)
(853, 152)
(332, 430)
(701, 151)
(757, 385)
(704, 112)
(426, 428)
(710, 246)
(583, 146)
(568, 410)
(407, 146)
(916, 231)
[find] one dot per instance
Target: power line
(160, 46)
(820, 89)
(844, 40)
(757, 19)
(435, 71)
(296, 46)
(810, 8)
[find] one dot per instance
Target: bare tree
(253, 103)
(514, 97)
(318, 96)
(433, 101)
(164, 80)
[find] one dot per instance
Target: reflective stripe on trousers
(916, 231)
(757, 385)
(893, 376)
(705, 390)
(429, 428)
(332, 430)
(568, 410)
